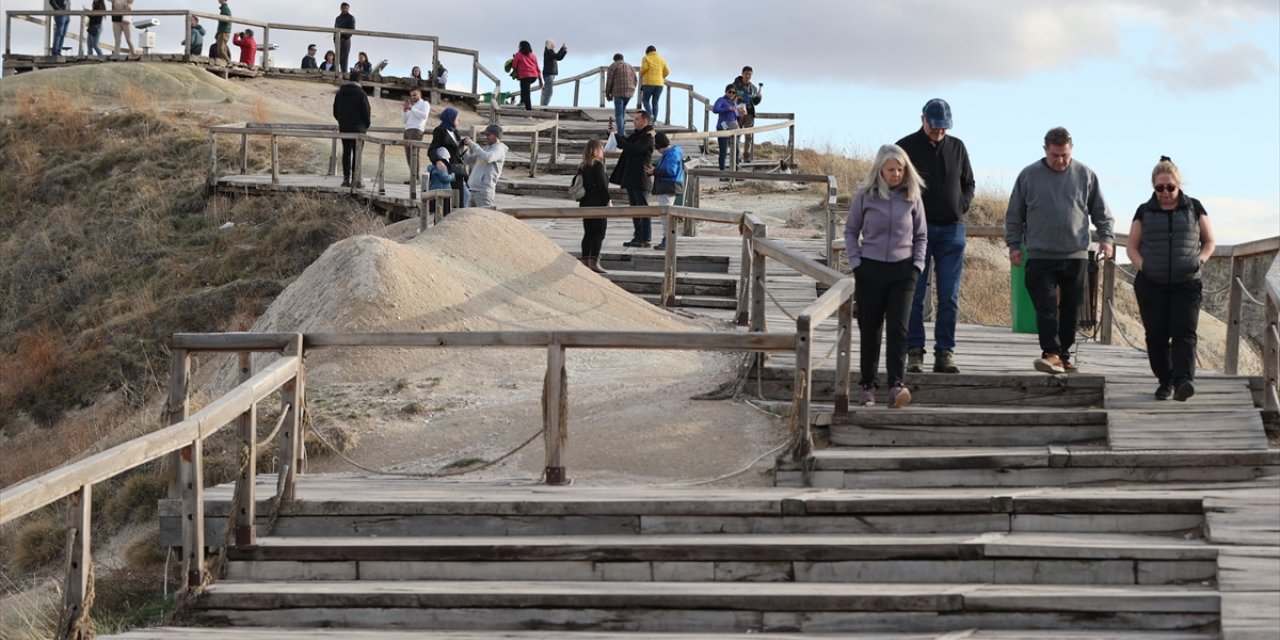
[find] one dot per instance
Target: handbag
(577, 190)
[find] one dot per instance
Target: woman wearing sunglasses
(1169, 241)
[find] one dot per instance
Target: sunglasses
(1161, 188)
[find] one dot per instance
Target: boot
(944, 362)
(594, 265)
(915, 360)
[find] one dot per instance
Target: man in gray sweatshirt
(1052, 203)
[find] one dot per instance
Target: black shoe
(642, 245)
(1185, 390)
(346, 182)
(1164, 391)
(661, 246)
(631, 243)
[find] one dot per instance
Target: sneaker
(868, 397)
(1164, 391)
(642, 245)
(661, 246)
(899, 396)
(1185, 390)
(944, 362)
(631, 243)
(1068, 366)
(915, 360)
(1049, 363)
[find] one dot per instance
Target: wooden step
(777, 380)
(968, 426)
(687, 284)
(269, 633)
(683, 606)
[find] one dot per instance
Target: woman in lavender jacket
(885, 237)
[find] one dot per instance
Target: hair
(248, 32)
(551, 44)
(874, 183)
(1057, 137)
(589, 153)
(309, 47)
(329, 53)
(661, 141)
(746, 69)
(645, 114)
(363, 56)
(650, 49)
(731, 86)
(415, 72)
(617, 57)
(345, 5)
(1166, 165)
(354, 76)
(525, 47)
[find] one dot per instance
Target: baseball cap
(495, 129)
(938, 113)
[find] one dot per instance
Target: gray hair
(874, 183)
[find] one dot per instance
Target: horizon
(1132, 80)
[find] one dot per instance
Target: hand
(1106, 250)
(1015, 257)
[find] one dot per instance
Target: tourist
(524, 64)
(309, 60)
(596, 187)
(943, 164)
(351, 110)
(551, 68)
(486, 162)
(195, 38)
(94, 30)
(619, 86)
(632, 174)
(885, 237)
(248, 47)
(668, 178)
(653, 77)
(1170, 240)
(60, 24)
(344, 21)
(415, 76)
(1052, 203)
(222, 37)
(416, 112)
(440, 178)
(363, 66)
(445, 137)
(750, 96)
(726, 108)
(121, 26)
(330, 61)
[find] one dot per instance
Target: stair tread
(311, 633)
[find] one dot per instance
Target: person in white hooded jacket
(487, 161)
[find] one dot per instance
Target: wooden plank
(1189, 429)
(1249, 569)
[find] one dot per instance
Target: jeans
(1170, 316)
(348, 158)
(643, 226)
(664, 200)
(882, 292)
(525, 100)
(344, 52)
(946, 254)
(547, 80)
(620, 113)
(725, 143)
(1056, 287)
(649, 95)
(59, 34)
(92, 41)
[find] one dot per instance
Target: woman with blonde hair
(596, 185)
(885, 237)
(1169, 241)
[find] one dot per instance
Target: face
(416, 72)
(934, 135)
(746, 75)
(598, 154)
(415, 95)
(364, 58)
(892, 172)
(1058, 156)
(311, 52)
(344, 8)
(487, 138)
(641, 121)
(1166, 187)
(328, 56)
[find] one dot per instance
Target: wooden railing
(693, 192)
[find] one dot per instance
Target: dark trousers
(1056, 287)
(348, 157)
(593, 230)
(643, 226)
(883, 294)
(526, 100)
(1170, 316)
(344, 52)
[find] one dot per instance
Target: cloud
(1237, 220)
(1195, 68)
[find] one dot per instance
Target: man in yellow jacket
(653, 77)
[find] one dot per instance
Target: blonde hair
(1166, 166)
(589, 153)
(874, 182)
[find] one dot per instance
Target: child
(441, 177)
(668, 178)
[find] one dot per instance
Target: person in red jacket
(248, 47)
(525, 65)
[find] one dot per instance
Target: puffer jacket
(1170, 245)
(653, 70)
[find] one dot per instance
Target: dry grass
(38, 542)
(848, 171)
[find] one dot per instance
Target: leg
(646, 224)
(870, 291)
(1184, 320)
(348, 155)
(525, 100)
(620, 114)
(1070, 291)
(897, 308)
(915, 322)
(128, 35)
(948, 266)
(344, 53)
(748, 140)
(92, 44)
(547, 88)
(1041, 280)
(1153, 307)
(59, 33)
(117, 29)
(723, 143)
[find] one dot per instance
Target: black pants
(643, 226)
(348, 157)
(344, 52)
(883, 292)
(525, 100)
(593, 236)
(1056, 287)
(1170, 316)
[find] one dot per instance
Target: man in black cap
(487, 165)
(943, 163)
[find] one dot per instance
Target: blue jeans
(643, 226)
(59, 33)
(92, 48)
(548, 80)
(620, 113)
(649, 95)
(946, 255)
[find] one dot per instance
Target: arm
(1207, 245)
(563, 51)
(1102, 220)
(967, 184)
(1135, 241)
(366, 115)
(494, 152)
(853, 232)
(1015, 222)
(666, 71)
(919, 235)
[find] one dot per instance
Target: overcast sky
(1192, 79)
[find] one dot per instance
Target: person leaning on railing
(1169, 241)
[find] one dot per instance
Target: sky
(1132, 80)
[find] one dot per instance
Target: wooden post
(1235, 308)
(79, 564)
(213, 161)
(244, 511)
(186, 47)
(333, 157)
(669, 259)
(668, 109)
(80, 44)
(275, 160)
(244, 153)
(191, 479)
(791, 145)
(553, 414)
(844, 320)
(290, 450)
(690, 120)
(743, 315)
(533, 155)
(601, 83)
(802, 442)
(475, 75)
(176, 408)
(358, 162)
(555, 143)
(380, 180)
(758, 274)
(1271, 356)
(1108, 297)
(266, 47)
(577, 84)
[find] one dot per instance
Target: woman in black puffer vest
(1169, 241)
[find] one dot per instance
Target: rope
(793, 318)
(740, 471)
(801, 439)
(1246, 293)
(1120, 329)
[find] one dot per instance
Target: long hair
(874, 183)
(525, 47)
(589, 154)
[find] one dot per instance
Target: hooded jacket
(351, 108)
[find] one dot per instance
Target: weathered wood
(792, 260)
(1235, 309)
(1108, 300)
(292, 454)
(75, 594)
(553, 412)
(244, 511)
(573, 339)
(275, 160)
(829, 302)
